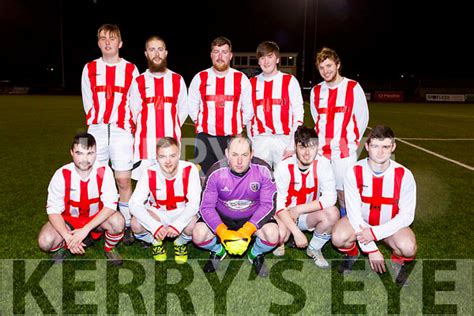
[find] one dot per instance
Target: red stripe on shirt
(285, 107)
(399, 173)
(349, 104)
(142, 148)
(92, 72)
(235, 109)
(110, 92)
(219, 106)
(176, 88)
(159, 106)
(267, 105)
(67, 190)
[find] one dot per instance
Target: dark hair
(86, 140)
(221, 41)
(267, 47)
(305, 135)
(327, 53)
(231, 140)
(381, 132)
(154, 38)
(165, 142)
(109, 28)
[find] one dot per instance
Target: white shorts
(140, 170)
(339, 168)
(167, 217)
(270, 147)
(115, 144)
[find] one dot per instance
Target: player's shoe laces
(181, 253)
(259, 264)
(114, 257)
(400, 274)
(159, 252)
(128, 237)
(214, 259)
(59, 255)
(279, 251)
(318, 257)
(347, 264)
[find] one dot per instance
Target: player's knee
(271, 233)
(117, 223)
(45, 242)
(124, 183)
(408, 248)
(200, 233)
(339, 237)
(136, 227)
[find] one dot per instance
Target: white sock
(319, 240)
(146, 237)
(182, 239)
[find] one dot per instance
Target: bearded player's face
(168, 159)
(83, 158)
(221, 56)
(156, 54)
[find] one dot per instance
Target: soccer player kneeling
(237, 202)
(306, 197)
(82, 199)
(380, 200)
(165, 202)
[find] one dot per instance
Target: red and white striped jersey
(104, 92)
(71, 196)
(158, 104)
(219, 106)
(385, 202)
(181, 194)
(340, 115)
(277, 104)
(296, 187)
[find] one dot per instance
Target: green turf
(36, 132)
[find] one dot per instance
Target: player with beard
(340, 113)
(158, 102)
(219, 104)
(82, 199)
(105, 85)
(166, 200)
(306, 197)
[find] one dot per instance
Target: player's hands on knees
(365, 235)
(172, 233)
(161, 234)
(300, 239)
(78, 235)
(377, 263)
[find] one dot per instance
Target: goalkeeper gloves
(233, 242)
(247, 230)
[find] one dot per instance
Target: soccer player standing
(219, 104)
(306, 197)
(381, 201)
(340, 113)
(158, 102)
(277, 105)
(82, 199)
(237, 203)
(166, 200)
(105, 84)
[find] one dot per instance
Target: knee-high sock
(111, 240)
(351, 251)
(123, 207)
(182, 239)
(261, 246)
(319, 240)
(211, 245)
(145, 236)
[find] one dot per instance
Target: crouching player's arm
(360, 227)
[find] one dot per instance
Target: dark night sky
(374, 38)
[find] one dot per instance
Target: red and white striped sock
(351, 251)
(112, 240)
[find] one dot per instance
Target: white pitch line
(440, 139)
(434, 154)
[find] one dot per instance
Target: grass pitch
(36, 132)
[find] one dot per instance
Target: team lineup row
(137, 119)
